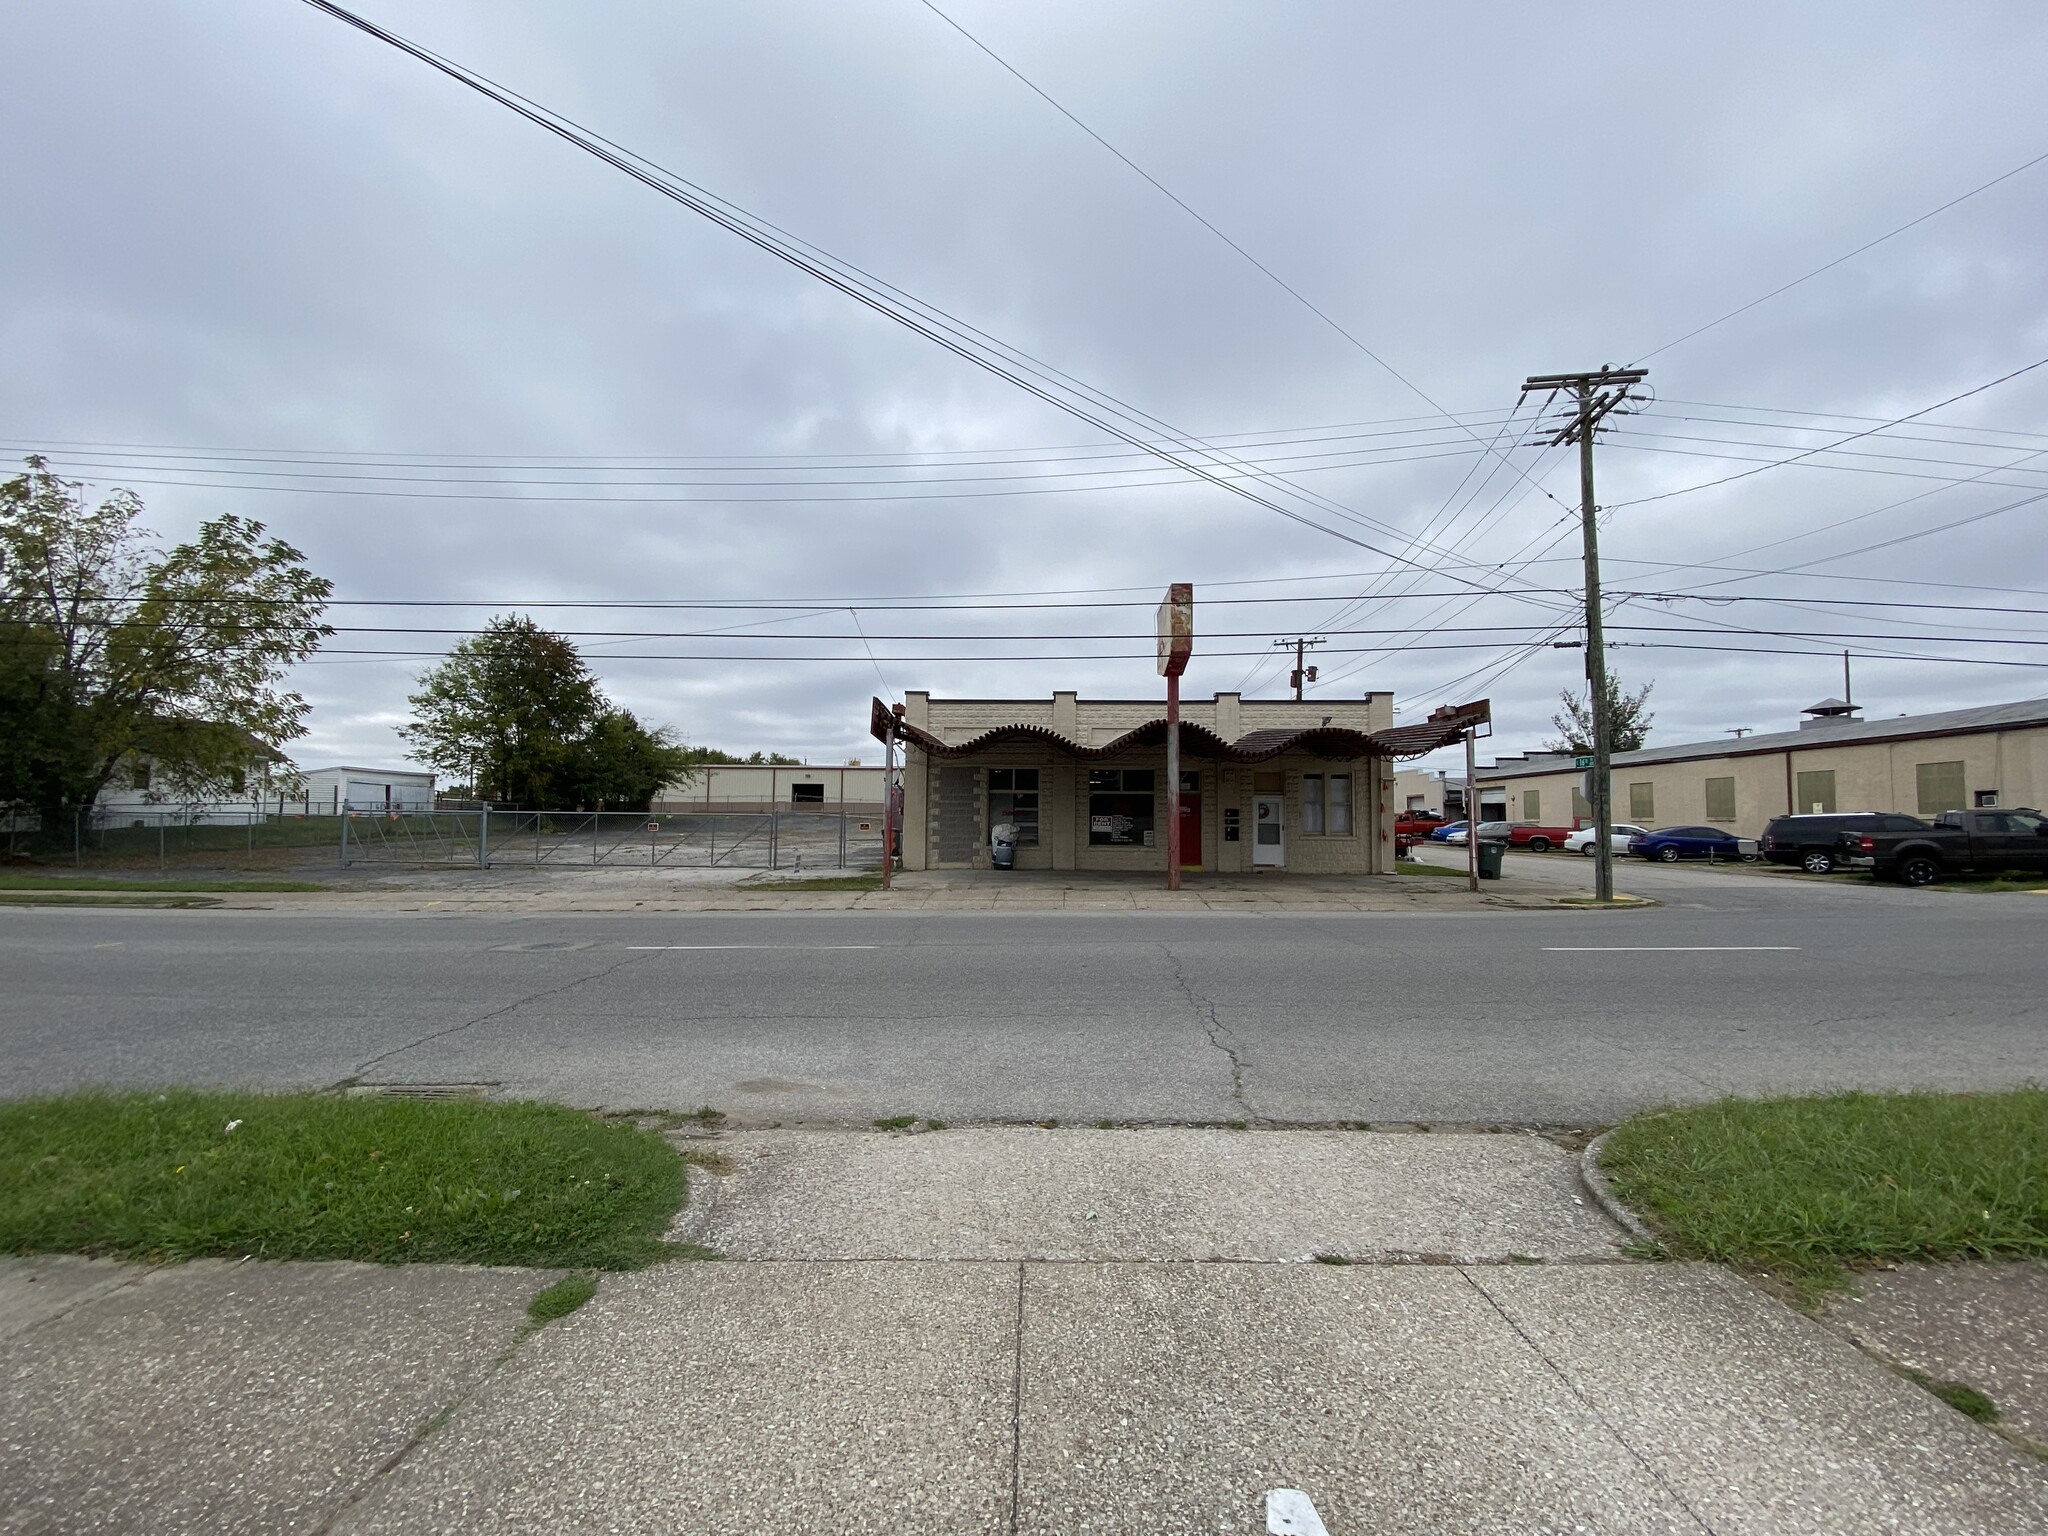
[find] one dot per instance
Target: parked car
(1536, 837)
(1812, 842)
(1417, 823)
(1583, 840)
(1489, 832)
(1959, 842)
(1443, 831)
(1674, 843)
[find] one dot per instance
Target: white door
(1269, 831)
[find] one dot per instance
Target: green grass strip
(181, 1175)
(1806, 1186)
(1408, 867)
(102, 883)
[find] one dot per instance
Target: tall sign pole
(1176, 645)
(1593, 395)
(883, 721)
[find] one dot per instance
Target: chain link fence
(497, 839)
(481, 838)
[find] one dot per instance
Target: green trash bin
(1491, 853)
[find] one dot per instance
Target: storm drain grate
(421, 1090)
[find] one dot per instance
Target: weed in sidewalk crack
(561, 1298)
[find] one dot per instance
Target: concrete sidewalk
(1005, 1330)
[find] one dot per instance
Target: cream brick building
(1265, 784)
(1917, 764)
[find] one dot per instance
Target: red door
(1190, 830)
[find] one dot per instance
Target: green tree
(112, 648)
(506, 711)
(1628, 722)
(621, 765)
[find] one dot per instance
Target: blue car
(1443, 833)
(1674, 843)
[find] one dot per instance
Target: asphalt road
(1738, 985)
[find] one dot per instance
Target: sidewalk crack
(1220, 1035)
(1590, 1406)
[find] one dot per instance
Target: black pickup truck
(1958, 843)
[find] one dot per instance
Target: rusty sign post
(1176, 645)
(882, 723)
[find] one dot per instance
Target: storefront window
(1326, 805)
(1120, 807)
(1013, 798)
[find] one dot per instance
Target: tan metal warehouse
(1264, 784)
(1917, 764)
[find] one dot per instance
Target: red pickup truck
(1537, 838)
(1416, 824)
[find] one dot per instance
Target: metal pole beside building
(1472, 810)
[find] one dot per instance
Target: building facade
(756, 787)
(1265, 785)
(1920, 765)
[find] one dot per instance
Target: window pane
(1340, 805)
(1941, 788)
(1136, 780)
(1027, 778)
(1642, 802)
(1311, 803)
(1020, 811)
(1120, 820)
(1532, 805)
(1816, 794)
(1721, 799)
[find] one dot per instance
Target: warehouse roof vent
(1828, 712)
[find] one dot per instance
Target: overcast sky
(241, 229)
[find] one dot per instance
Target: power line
(1830, 266)
(1157, 185)
(1062, 391)
(1686, 490)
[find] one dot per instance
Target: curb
(1596, 1185)
(694, 1220)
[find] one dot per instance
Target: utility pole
(1848, 694)
(1302, 673)
(1594, 394)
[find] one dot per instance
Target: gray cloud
(244, 226)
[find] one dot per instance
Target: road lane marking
(753, 946)
(1666, 949)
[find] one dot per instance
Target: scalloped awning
(1442, 729)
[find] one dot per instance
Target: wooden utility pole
(1593, 395)
(1302, 672)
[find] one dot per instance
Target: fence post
(161, 864)
(252, 835)
(344, 842)
(483, 837)
(775, 839)
(842, 839)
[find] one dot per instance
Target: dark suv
(1809, 841)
